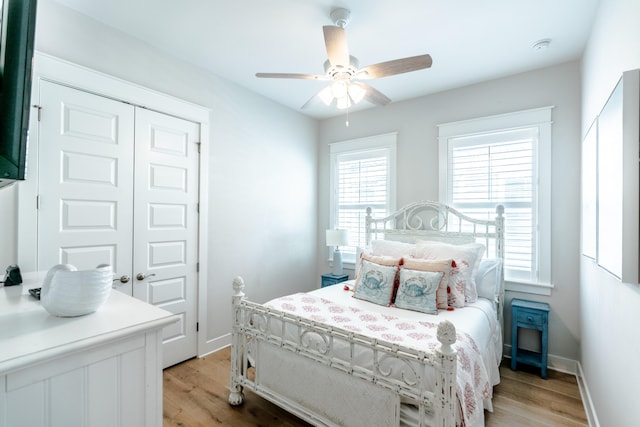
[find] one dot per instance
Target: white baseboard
(562, 364)
(215, 344)
(590, 410)
(557, 363)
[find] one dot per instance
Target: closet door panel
(85, 180)
(166, 224)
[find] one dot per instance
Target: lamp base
(337, 263)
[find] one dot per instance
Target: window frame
(360, 147)
(539, 118)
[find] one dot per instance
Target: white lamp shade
(343, 102)
(326, 95)
(339, 89)
(356, 93)
(337, 238)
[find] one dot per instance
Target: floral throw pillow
(458, 279)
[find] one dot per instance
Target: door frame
(56, 70)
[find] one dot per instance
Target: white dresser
(102, 369)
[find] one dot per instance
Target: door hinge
(197, 267)
(197, 326)
(38, 202)
(199, 144)
(39, 111)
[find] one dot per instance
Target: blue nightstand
(332, 279)
(529, 315)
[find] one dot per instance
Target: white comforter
(479, 337)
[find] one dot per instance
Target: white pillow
(488, 279)
(391, 248)
(467, 258)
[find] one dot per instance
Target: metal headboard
(430, 220)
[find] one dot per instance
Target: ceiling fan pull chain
(347, 122)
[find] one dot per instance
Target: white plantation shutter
(362, 176)
(499, 169)
(505, 159)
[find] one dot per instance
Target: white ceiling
(469, 40)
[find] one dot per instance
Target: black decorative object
(13, 276)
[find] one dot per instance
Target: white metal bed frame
(310, 355)
(428, 220)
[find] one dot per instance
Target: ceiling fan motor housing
(342, 72)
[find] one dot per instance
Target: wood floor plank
(196, 392)
(558, 381)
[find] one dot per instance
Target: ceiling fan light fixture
(344, 102)
(343, 72)
(339, 89)
(356, 93)
(326, 95)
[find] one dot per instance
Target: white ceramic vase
(67, 292)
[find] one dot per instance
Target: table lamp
(337, 238)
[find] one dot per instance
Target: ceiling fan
(343, 69)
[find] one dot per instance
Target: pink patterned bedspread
(472, 378)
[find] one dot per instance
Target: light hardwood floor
(196, 391)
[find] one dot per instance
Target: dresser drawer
(533, 318)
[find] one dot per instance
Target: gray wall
(416, 120)
(610, 309)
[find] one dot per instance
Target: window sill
(529, 287)
(349, 265)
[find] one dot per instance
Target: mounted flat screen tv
(17, 29)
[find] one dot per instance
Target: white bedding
(476, 323)
(478, 319)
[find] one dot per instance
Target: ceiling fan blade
(335, 41)
(291, 76)
(397, 66)
(372, 95)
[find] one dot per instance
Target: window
(504, 160)
(362, 176)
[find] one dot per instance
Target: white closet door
(85, 181)
(166, 224)
(118, 185)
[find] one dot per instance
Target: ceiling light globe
(326, 95)
(339, 89)
(343, 102)
(356, 92)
